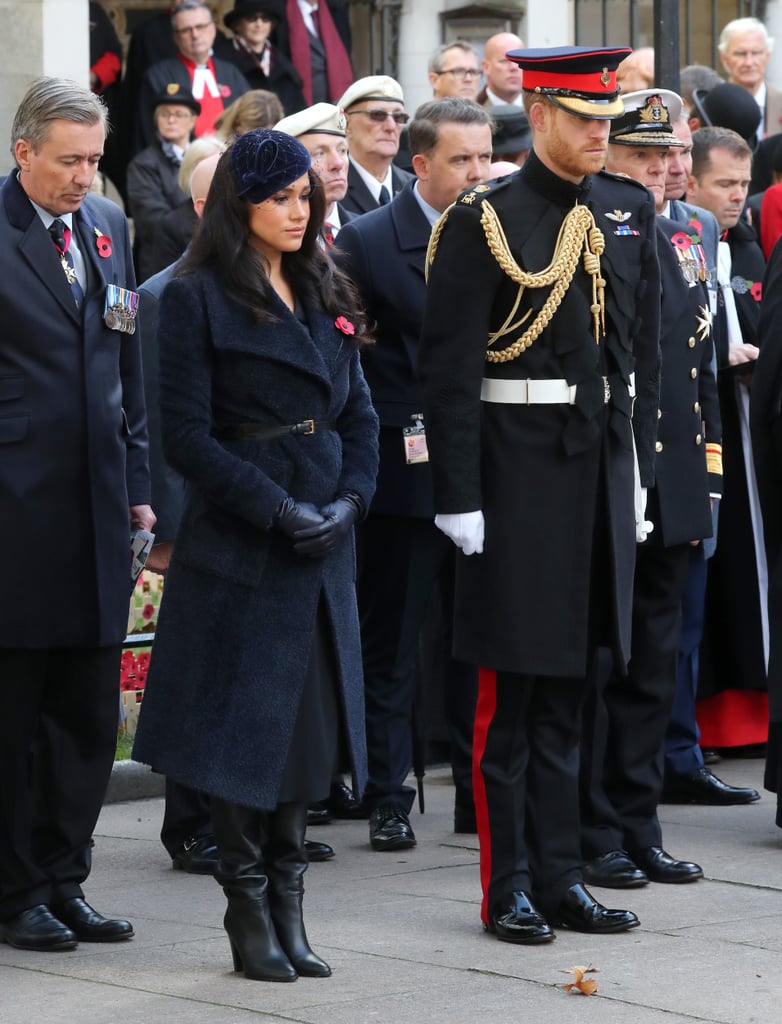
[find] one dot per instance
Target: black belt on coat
(258, 432)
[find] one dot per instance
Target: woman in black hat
(255, 688)
(263, 65)
(153, 188)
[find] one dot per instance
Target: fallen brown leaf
(586, 986)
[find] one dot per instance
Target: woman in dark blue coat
(255, 690)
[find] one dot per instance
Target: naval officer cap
(648, 119)
(373, 87)
(323, 118)
(579, 79)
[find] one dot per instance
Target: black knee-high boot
(286, 863)
(240, 833)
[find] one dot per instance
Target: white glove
(465, 529)
(642, 525)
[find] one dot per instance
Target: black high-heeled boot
(240, 833)
(286, 863)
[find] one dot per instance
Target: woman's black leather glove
(339, 518)
(294, 516)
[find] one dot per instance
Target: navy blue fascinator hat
(263, 161)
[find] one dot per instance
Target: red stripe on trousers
(484, 715)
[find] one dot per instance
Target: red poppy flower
(695, 223)
(756, 291)
(225, 91)
(343, 324)
(681, 240)
(149, 611)
(103, 242)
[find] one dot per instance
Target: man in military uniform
(626, 718)
(532, 454)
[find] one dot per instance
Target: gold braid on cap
(578, 235)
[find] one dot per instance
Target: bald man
(503, 77)
(636, 72)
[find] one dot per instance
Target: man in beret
(375, 112)
(528, 378)
(384, 253)
(321, 129)
(625, 717)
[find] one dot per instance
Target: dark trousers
(187, 815)
(525, 780)
(682, 739)
(399, 562)
(625, 718)
(58, 739)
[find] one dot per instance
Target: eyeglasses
(462, 73)
(192, 29)
(379, 116)
(174, 115)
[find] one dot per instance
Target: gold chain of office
(578, 236)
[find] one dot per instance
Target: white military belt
(528, 392)
(539, 392)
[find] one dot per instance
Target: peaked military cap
(648, 119)
(580, 79)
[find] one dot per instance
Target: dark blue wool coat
(237, 618)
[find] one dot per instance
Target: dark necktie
(315, 15)
(328, 234)
(384, 197)
(61, 236)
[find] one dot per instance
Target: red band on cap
(597, 83)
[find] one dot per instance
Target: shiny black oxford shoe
(660, 866)
(514, 919)
(614, 870)
(700, 786)
(39, 930)
(90, 926)
(581, 912)
(197, 856)
(318, 851)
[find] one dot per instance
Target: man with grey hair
(745, 47)
(215, 83)
(384, 253)
(74, 483)
(454, 71)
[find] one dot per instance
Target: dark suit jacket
(360, 200)
(283, 79)
(72, 430)
(384, 253)
(230, 80)
(680, 506)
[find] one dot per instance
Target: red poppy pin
(225, 91)
(756, 291)
(681, 240)
(103, 244)
(695, 223)
(343, 324)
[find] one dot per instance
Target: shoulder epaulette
(623, 178)
(485, 190)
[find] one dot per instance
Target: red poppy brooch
(103, 244)
(343, 324)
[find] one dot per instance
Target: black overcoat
(72, 431)
(238, 615)
(384, 252)
(544, 475)
(360, 200)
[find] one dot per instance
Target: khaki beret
(373, 87)
(322, 117)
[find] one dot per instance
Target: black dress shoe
(318, 851)
(342, 802)
(389, 829)
(661, 866)
(700, 786)
(37, 929)
(614, 870)
(516, 920)
(318, 814)
(90, 926)
(581, 912)
(197, 855)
